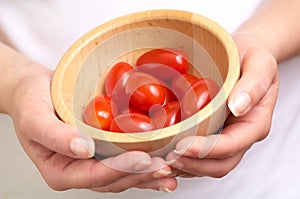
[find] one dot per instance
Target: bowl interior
(81, 73)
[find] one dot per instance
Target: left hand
(63, 156)
(252, 102)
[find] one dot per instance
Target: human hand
(252, 102)
(64, 157)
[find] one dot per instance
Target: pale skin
(63, 157)
(265, 39)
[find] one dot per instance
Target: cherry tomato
(132, 109)
(131, 123)
(100, 112)
(163, 63)
(118, 72)
(169, 94)
(167, 115)
(144, 91)
(198, 96)
(115, 83)
(181, 84)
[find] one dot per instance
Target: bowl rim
(219, 32)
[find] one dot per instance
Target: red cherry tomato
(132, 109)
(182, 83)
(115, 83)
(167, 115)
(116, 74)
(198, 96)
(169, 94)
(163, 63)
(144, 91)
(131, 123)
(100, 112)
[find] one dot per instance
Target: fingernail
(183, 175)
(161, 173)
(142, 165)
(83, 148)
(167, 190)
(179, 152)
(240, 104)
(175, 163)
(172, 161)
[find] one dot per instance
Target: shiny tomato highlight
(131, 123)
(182, 83)
(155, 93)
(144, 91)
(100, 112)
(115, 83)
(167, 115)
(163, 63)
(117, 73)
(198, 96)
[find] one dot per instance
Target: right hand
(218, 154)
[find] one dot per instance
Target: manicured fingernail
(179, 152)
(183, 175)
(240, 104)
(172, 161)
(83, 148)
(175, 163)
(142, 165)
(167, 190)
(161, 173)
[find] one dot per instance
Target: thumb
(258, 72)
(47, 130)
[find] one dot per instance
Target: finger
(236, 137)
(258, 72)
(182, 174)
(134, 180)
(35, 120)
(71, 173)
(204, 167)
(49, 131)
(167, 185)
(129, 162)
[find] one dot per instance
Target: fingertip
(167, 185)
(82, 147)
(184, 144)
(166, 190)
(129, 162)
(141, 165)
(162, 173)
(240, 104)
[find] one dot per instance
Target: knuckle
(259, 80)
(264, 133)
(227, 166)
(223, 171)
(220, 174)
(23, 121)
(110, 189)
(56, 186)
(48, 137)
(90, 180)
(231, 148)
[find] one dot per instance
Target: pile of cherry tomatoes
(158, 91)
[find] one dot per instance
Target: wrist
(14, 68)
(258, 37)
(273, 24)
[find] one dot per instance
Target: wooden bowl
(80, 73)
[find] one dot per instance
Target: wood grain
(81, 71)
